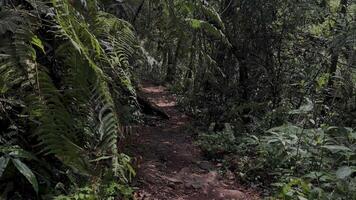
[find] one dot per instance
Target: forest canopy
(270, 85)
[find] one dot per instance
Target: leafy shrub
(311, 163)
(299, 163)
(216, 144)
(108, 191)
(63, 76)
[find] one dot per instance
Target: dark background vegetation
(270, 84)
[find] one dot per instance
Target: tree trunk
(138, 11)
(335, 54)
(172, 62)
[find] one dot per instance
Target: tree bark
(172, 62)
(335, 54)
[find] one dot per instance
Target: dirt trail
(170, 166)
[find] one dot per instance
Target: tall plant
(61, 66)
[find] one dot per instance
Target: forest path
(170, 166)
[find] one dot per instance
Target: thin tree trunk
(172, 62)
(335, 54)
(138, 11)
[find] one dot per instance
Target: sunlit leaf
(336, 148)
(344, 172)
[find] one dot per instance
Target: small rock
(231, 194)
(205, 165)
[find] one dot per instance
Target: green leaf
(306, 108)
(24, 170)
(3, 164)
(17, 152)
(194, 23)
(336, 148)
(101, 158)
(344, 172)
(38, 43)
(213, 16)
(209, 30)
(353, 135)
(302, 198)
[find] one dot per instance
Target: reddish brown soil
(170, 166)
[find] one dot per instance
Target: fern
(79, 85)
(213, 16)
(104, 64)
(66, 99)
(9, 20)
(209, 29)
(119, 41)
(45, 102)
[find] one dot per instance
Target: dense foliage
(64, 76)
(270, 83)
(274, 80)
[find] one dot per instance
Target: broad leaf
(336, 148)
(343, 172)
(38, 43)
(17, 152)
(353, 135)
(306, 108)
(3, 164)
(24, 170)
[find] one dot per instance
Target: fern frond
(117, 37)
(71, 114)
(88, 66)
(56, 131)
(119, 42)
(213, 16)
(209, 29)
(9, 21)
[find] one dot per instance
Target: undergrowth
(296, 161)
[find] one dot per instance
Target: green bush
(216, 144)
(63, 77)
(311, 163)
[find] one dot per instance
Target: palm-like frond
(67, 95)
(119, 42)
(9, 21)
(80, 39)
